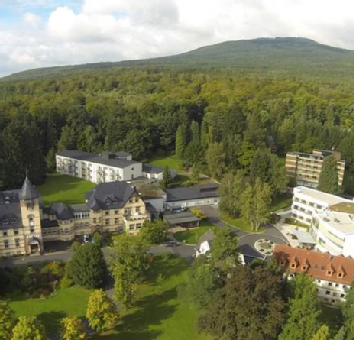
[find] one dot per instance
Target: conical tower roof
(28, 192)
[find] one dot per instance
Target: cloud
(81, 31)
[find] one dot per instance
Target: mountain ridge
(278, 54)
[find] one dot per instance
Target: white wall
(192, 203)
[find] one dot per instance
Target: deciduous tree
(29, 327)
(7, 320)
(73, 329)
(101, 311)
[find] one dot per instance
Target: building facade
(20, 221)
(332, 275)
(25, 225)
(306, 168)
(109, 166)
(330, 219)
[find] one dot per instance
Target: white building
(330, 218)
(106, 167)
(331, 274)
(156, 172)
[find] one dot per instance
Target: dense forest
(220, 117)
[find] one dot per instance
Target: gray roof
(198, 191)
(79, 207)
(10, 208)
(28, 192)
(86, 156)
(207, 236)
(112, 195)
(61, 211)
(304, 237)
(117, 153)
(181, 217)
(151, 169)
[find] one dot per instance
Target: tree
(7, 320)
(231, 189)
(154, 232)
(101, 311)
(28, 327)
(255, 203)
(181, 140)
(302, 322)
(250, 306)
(202, 284)
(73, 329)
(348, 313)
(166, 178)
(215, 158)
(97, 239)
(128, 265)
(328, 180)
(322, 333)
(225, 247)
(87, 267)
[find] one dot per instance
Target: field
(173, 162)
(191, 236)
(157, 314)
(62, 188)
(67, 302)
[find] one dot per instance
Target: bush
(75, 245)
(199, 213)
(66, 282)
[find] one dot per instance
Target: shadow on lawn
(51, 321)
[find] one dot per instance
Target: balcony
(137, 217)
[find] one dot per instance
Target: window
(132, 169)
(137, 209)
(293, 265)
(127, 212)
(116, 221)
(116, 212)
(15, 231)
(138, 226)
(17, 242)
(329, 272)
(336, 284)
(340, 275)
(327, 292)
(5, 221)
(6, 244)
(334, 294)
(4, 233)
(136, 199)
(106, 212)
(330, 284)
(13, 220)
(94, 220)
(106, 221)
(32, 230)
(342, 295)
(131, 227)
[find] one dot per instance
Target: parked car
(172, 243)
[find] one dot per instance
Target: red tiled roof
(318, 265)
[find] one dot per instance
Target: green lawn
(173, 162)
(159, 316)
(192, 235)
(282, 201)
(62, 188)
(67, 302)
(240, 223)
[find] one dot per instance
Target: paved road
(186, 251)
(246, 239)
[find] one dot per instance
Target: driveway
(246, 239)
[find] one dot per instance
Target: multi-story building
(331, 274)
(109, 166)
(306, 168)
(20, 221)
(25, 225)
(330, 219)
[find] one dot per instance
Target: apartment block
(332, 275)
(109, 166)
(306, 168)
(25, 225)
(330, 219)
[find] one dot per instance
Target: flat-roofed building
(109, 166)
(306, 168)
(331, 274)
(330, 219)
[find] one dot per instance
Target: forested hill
(297, 56)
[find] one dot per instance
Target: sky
(41, 33)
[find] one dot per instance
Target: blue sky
(41, 33)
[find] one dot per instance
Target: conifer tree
(181, 140)
(328, 180)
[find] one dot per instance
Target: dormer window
(293, 265)
(282, 263)
(329, 273)
(13, 220)
(5, 221)
(340, 275)
(304, 267)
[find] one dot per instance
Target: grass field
(159, 315)
(192, 235)
(62, 188)
(67, 302)
(173, 162)
(240, 223)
